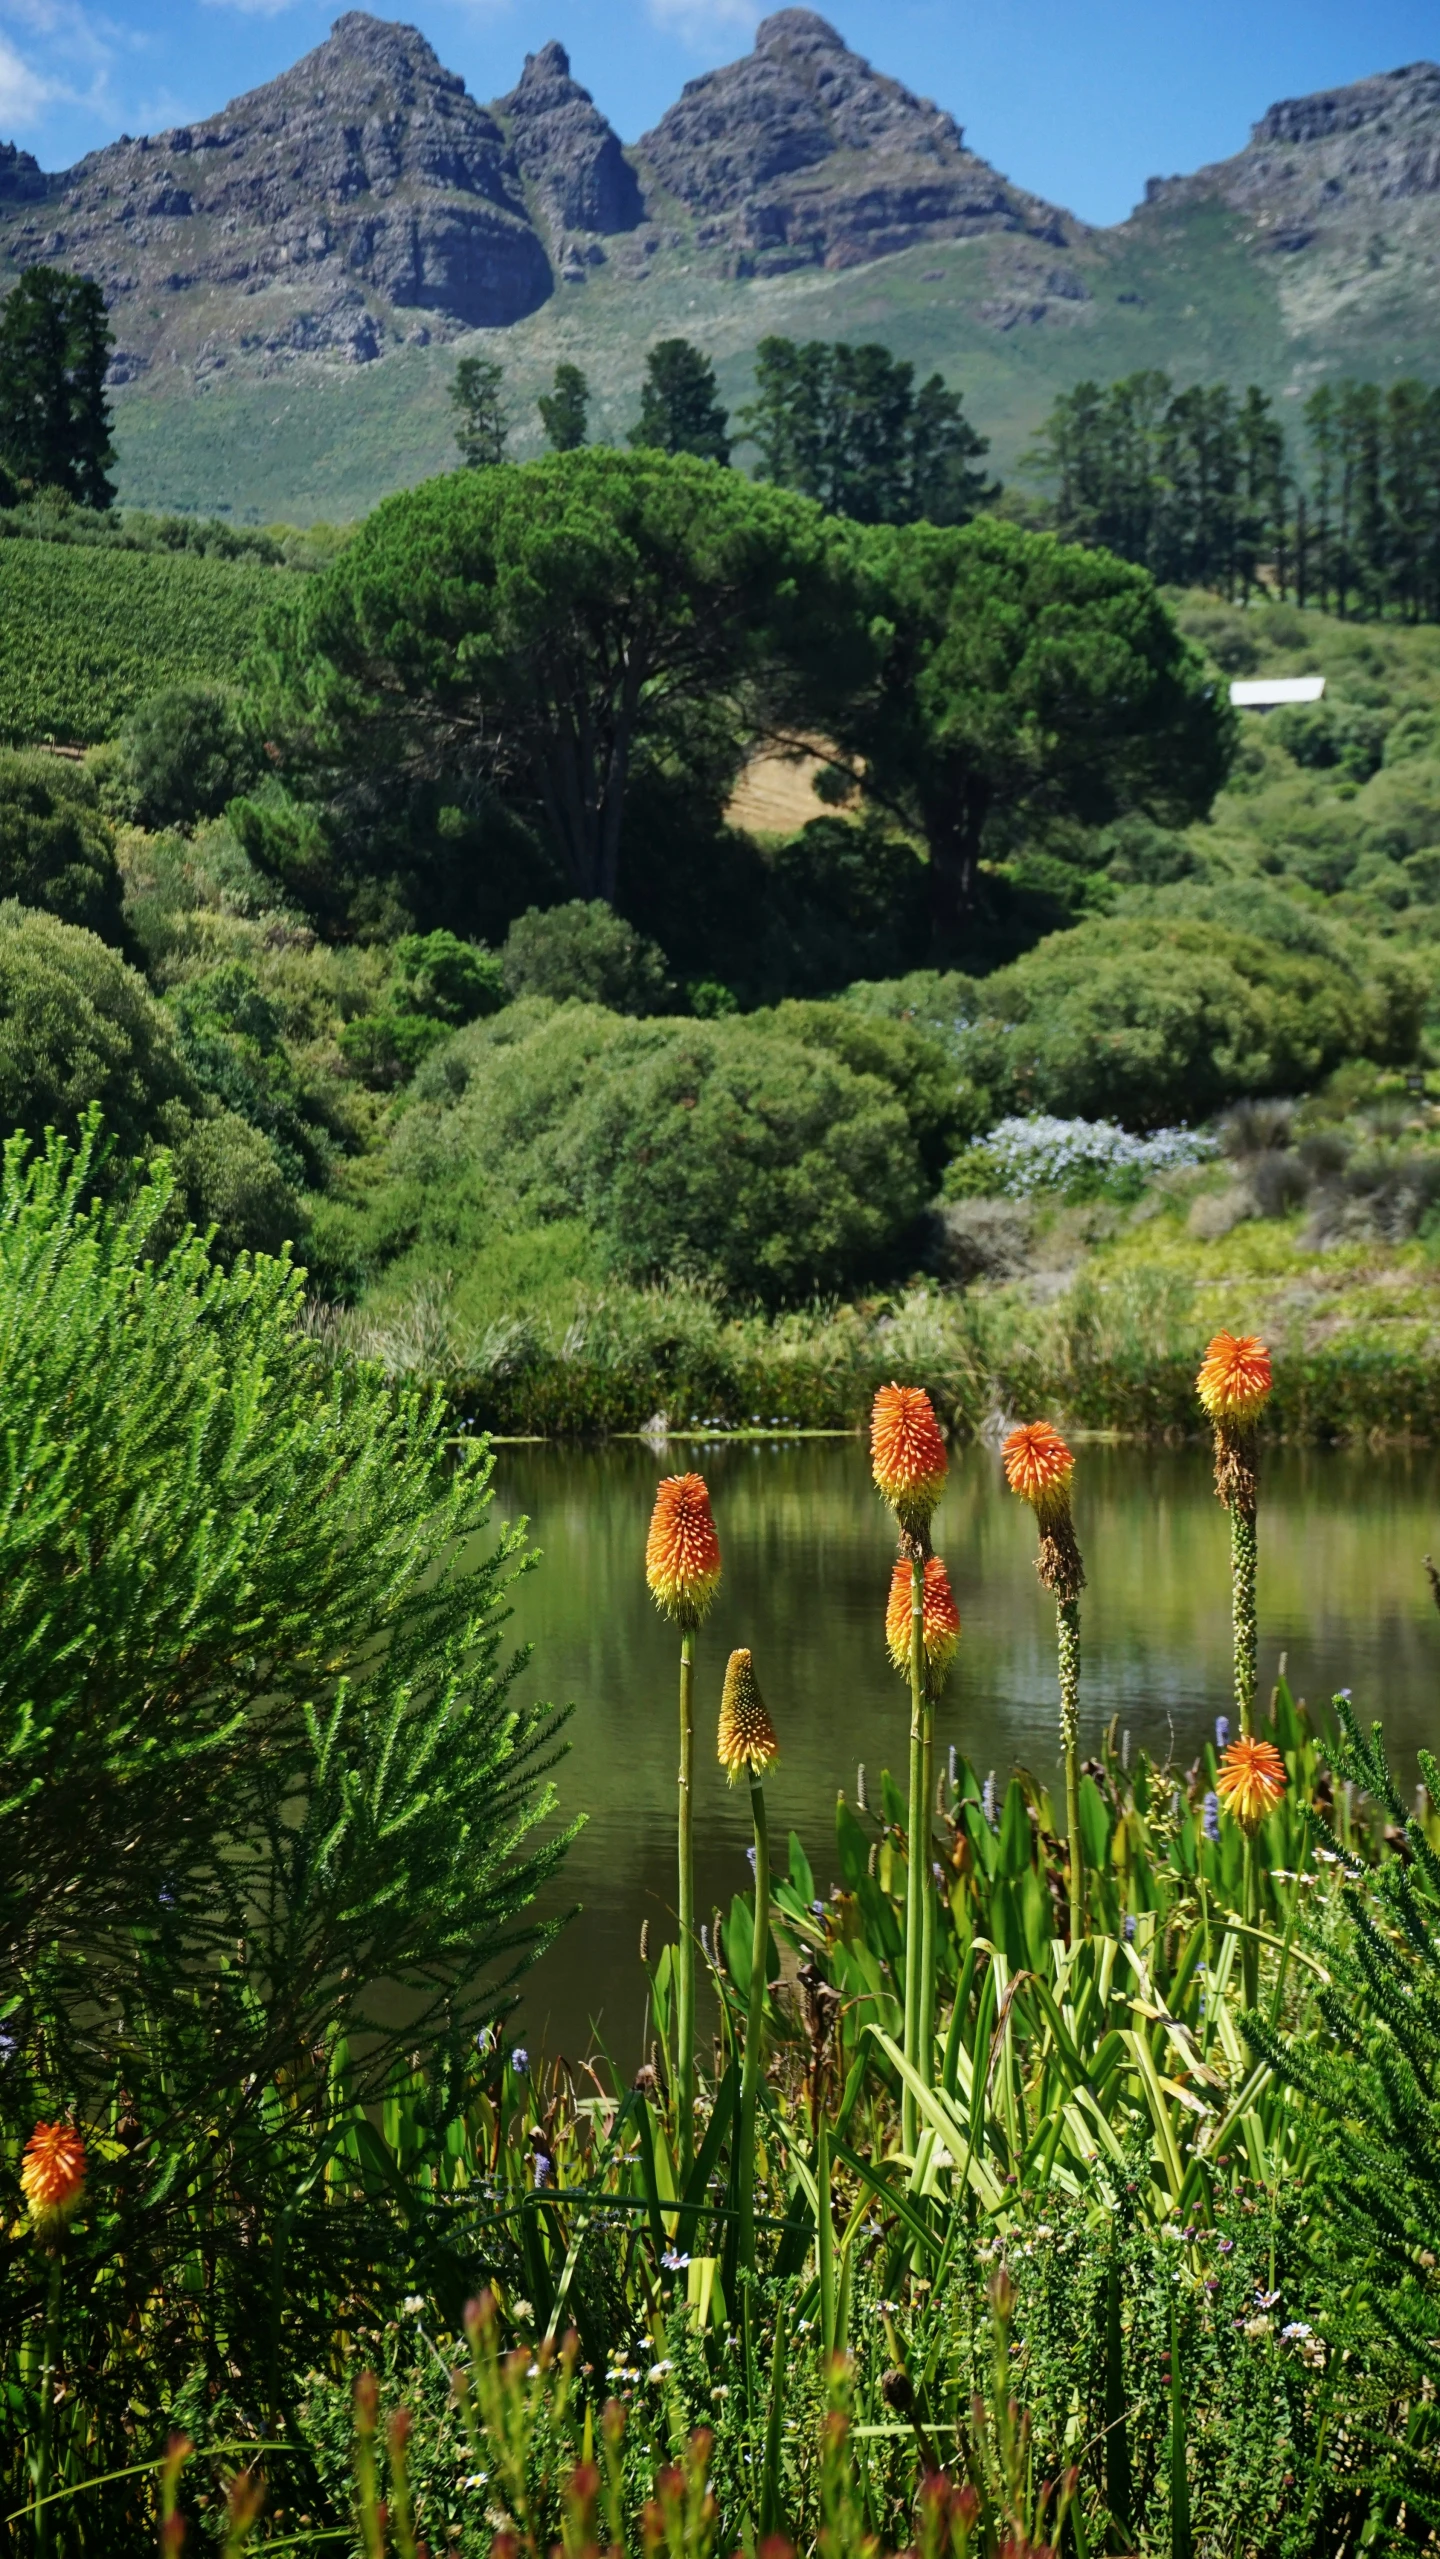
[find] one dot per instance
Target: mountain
(802, 155)
(288, 280)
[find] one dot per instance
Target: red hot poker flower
(747, 1736)
(682, 1551)
(907, 1453)
(52, 2176)
(941, 1616)
(1234, 1381)
(1250, 1780)
(1039, 1467)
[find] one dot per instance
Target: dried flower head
(941, 1619)
(1234, 1381)
(907, 1453)
(682, 1551)
(1039, 1467)
(747, 1736)
(52, 2176)
(1250, 1780)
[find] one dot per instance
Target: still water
(808, 1550)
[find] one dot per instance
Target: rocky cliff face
(325, 211)
(1318, 171)
(802, 155)
(581, 183)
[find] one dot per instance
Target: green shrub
(56, 850)
(585, 950)
(269, 1806)
(438, 982)
(1149, 1021)
(79, 1027)
(729, 1148)
(187, 755)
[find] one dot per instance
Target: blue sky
(1080, 102)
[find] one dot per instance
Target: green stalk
(925, 2031)
(49, 2363)
(1250, 1913)
(825, 2238)
(918, 1827)
(1067, 1626)
(1242, 1586)
(754, 2028)
(685, 1951)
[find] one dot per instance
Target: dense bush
(56, 851)
(80, 1027)
(1148, 1020)
(90, 634)
(734, 1149)
(585, 950)
(187, 755)
(437, 984)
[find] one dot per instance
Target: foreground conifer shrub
(269, 1811)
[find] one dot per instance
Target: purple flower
(1211, 1816)
(750, 1853)
(987, 1799)
(543, 2167)
(1129, 1923)
(520, 2061)
(817, 1909)
(674, 2261)
(1225, 2247)
(1222, 1732)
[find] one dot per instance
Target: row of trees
(843, 424)
(1203, 489)
(530, 647)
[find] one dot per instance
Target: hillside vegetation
(91, 633)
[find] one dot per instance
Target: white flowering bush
(1041, 1153)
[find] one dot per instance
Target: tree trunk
(953, 831)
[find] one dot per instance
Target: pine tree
(680, 409)
(55, 344)
(480, 429)
(564, 412)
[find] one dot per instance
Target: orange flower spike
(941, 1616)
(52, 2176)
(1039, 1467)
(682, 1551)
(907, 1453)
(747, 1737)
(1250, 1780)
(1234, 1381)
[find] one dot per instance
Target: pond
(808, 1550)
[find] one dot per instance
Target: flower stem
(1242, 1586)
(754, 2027)
(44, 2437)
(825, 2239)
(1250, 1913)
(1067, 1629)
(685, 1951)
(917, 1828)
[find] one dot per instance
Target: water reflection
(807, 1557)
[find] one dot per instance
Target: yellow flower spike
(747, 1738)
(1250, 1781)
(52, 2177)
(682, 1551)
(1039, 1467)
(941, 1621)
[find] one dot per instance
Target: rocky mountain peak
(803, 154)
(1320, 169)
(568, 153)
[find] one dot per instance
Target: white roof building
(1268, 693)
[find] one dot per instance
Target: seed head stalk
(1067, 1635)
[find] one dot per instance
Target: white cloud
(25, 93)
(707, 26)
